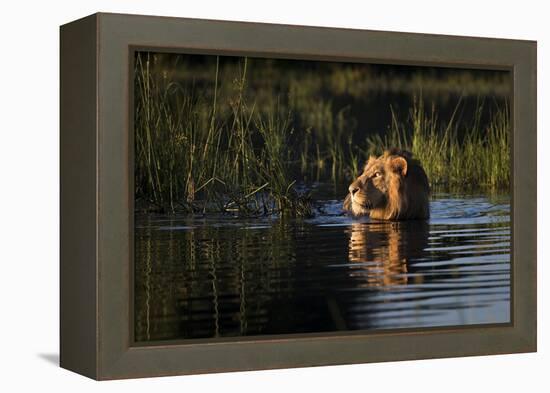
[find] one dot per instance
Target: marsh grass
(221, 146)
(191, 156)
(454, 154)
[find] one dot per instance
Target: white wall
(29, 192)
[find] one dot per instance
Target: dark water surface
(222, 277)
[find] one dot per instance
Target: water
(224, 277)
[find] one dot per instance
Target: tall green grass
(192, 156)
(453, 153)
(218, 145)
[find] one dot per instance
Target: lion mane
(393, 186)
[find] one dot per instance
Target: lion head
(393, 186)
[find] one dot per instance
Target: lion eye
(377, 174)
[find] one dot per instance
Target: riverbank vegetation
(246, 136)
(453, 155)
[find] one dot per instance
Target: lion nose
(353, 189)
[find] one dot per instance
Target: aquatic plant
(453, 153)
(226, 138)
(191, 155)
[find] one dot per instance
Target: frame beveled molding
(96, 146)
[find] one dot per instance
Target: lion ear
(399, 165)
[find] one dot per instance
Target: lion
(393, 187)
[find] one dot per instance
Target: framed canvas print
(241, 196)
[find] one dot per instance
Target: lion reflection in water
(380, 252)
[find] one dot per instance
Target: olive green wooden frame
(97, 196)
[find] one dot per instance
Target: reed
(193, 156)
(222, 144)
(452, 153)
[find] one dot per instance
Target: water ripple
(220, 276)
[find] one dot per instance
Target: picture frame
(96, 196)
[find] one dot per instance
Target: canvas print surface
(277, 196)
